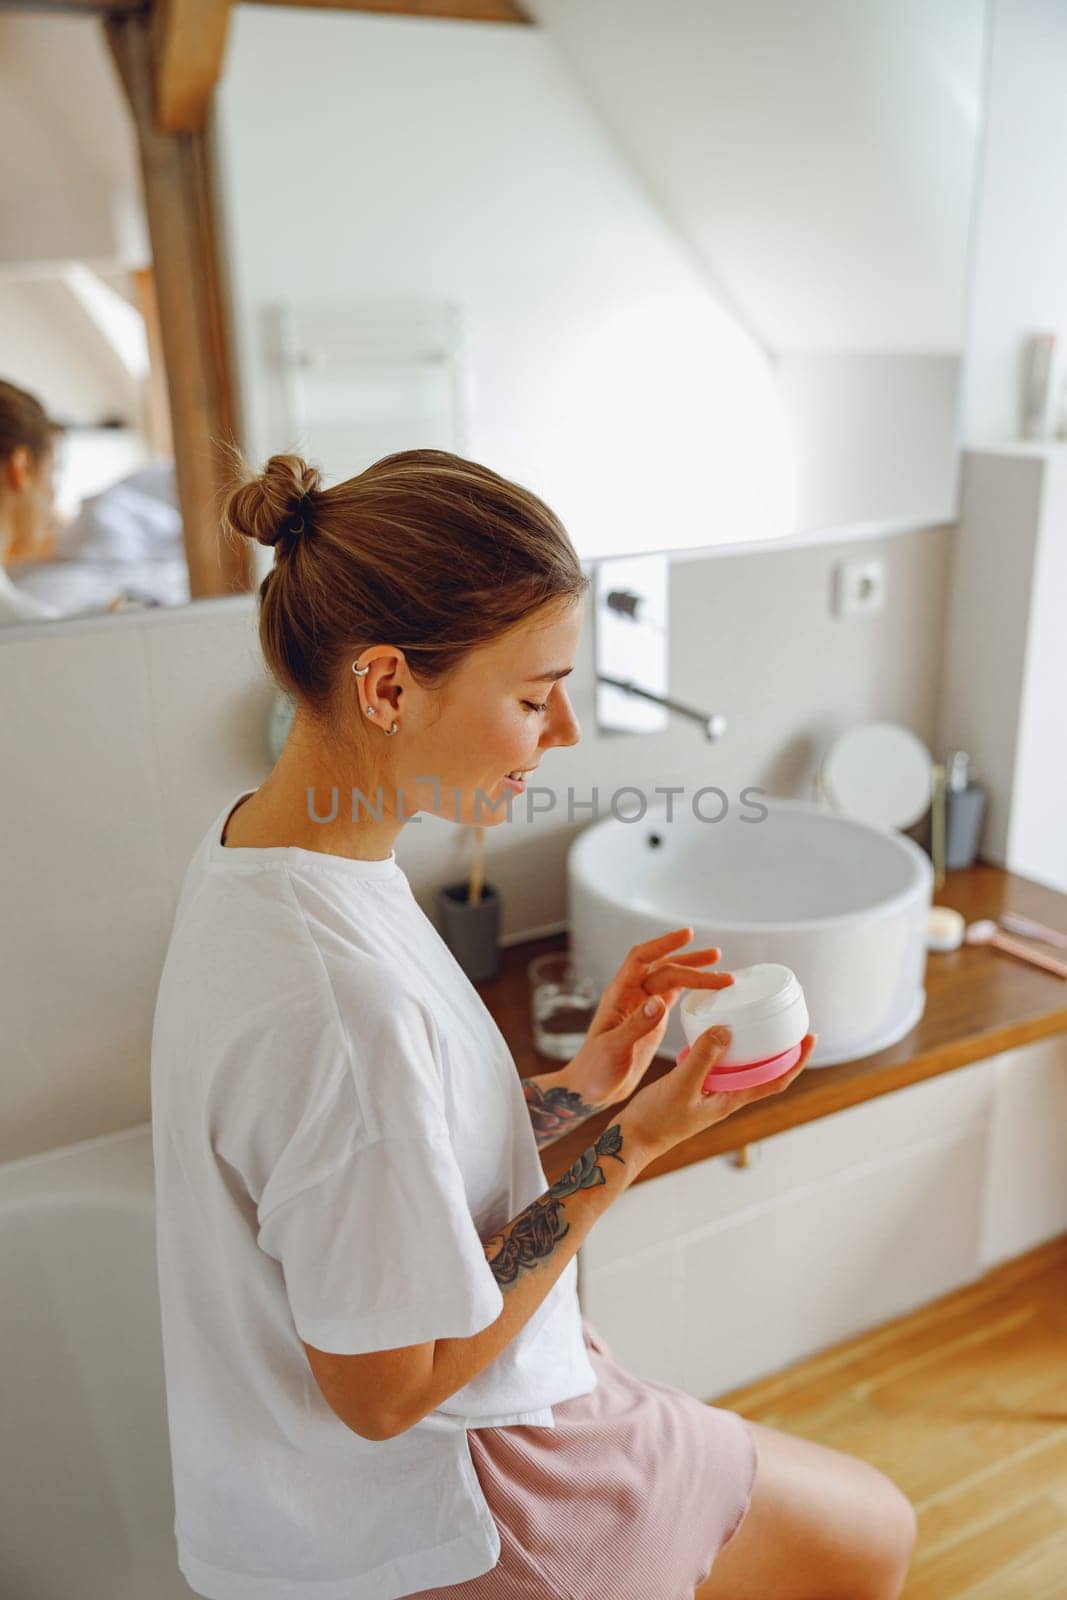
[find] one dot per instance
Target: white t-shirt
(17, 605)
(337, 1124)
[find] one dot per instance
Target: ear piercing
(361, 672)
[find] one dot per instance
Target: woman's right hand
(674, 1107)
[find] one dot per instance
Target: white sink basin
(841, 902)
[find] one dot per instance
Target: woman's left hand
(622, 1039)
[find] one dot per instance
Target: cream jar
(765, 1010)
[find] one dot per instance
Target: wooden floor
(964, 1405)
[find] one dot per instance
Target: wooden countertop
(978, 1003)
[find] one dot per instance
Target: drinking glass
(562, 1003)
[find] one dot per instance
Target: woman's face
(499, 713)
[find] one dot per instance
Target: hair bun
(276, 503)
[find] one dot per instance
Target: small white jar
(765, 1010)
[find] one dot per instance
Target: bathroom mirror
(695, 272)
(80, 333)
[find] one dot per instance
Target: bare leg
(822, 1525)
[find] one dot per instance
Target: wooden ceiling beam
(194, 314)
(84, 7)
(189, 42)
(461, 10)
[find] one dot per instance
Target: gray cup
(471, 932)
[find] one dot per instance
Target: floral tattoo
(534, 1233)
(554, 1111)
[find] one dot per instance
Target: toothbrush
(986, 932)
(1035, 930)
(474, 887)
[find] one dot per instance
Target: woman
(27, 497)
(379, 1381)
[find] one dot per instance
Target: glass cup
(562, 1003)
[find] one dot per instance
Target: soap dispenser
(965, 808)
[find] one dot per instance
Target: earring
(370, 710)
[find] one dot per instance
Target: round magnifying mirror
(879, 772)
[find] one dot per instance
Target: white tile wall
(210, 701)
(86, 898)
(126, 735)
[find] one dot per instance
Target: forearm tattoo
(535, 1232)
(554, 1111)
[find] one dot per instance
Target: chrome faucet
(713, 723)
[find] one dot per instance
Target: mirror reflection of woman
(27, 497)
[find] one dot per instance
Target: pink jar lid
(748, 1077)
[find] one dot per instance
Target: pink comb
(1015, 923)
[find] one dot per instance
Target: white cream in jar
(765, 1010)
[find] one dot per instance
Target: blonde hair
(424, 550)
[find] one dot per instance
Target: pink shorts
(629, 1497)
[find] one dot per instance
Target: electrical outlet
(859, 586)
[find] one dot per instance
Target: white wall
(70, 182)
(818, 155)
(1037, 842)
(1006, 651)
(601, 370)
(1020, 261)
(1005, 657)
(54, 349)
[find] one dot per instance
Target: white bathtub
(86, 1501)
